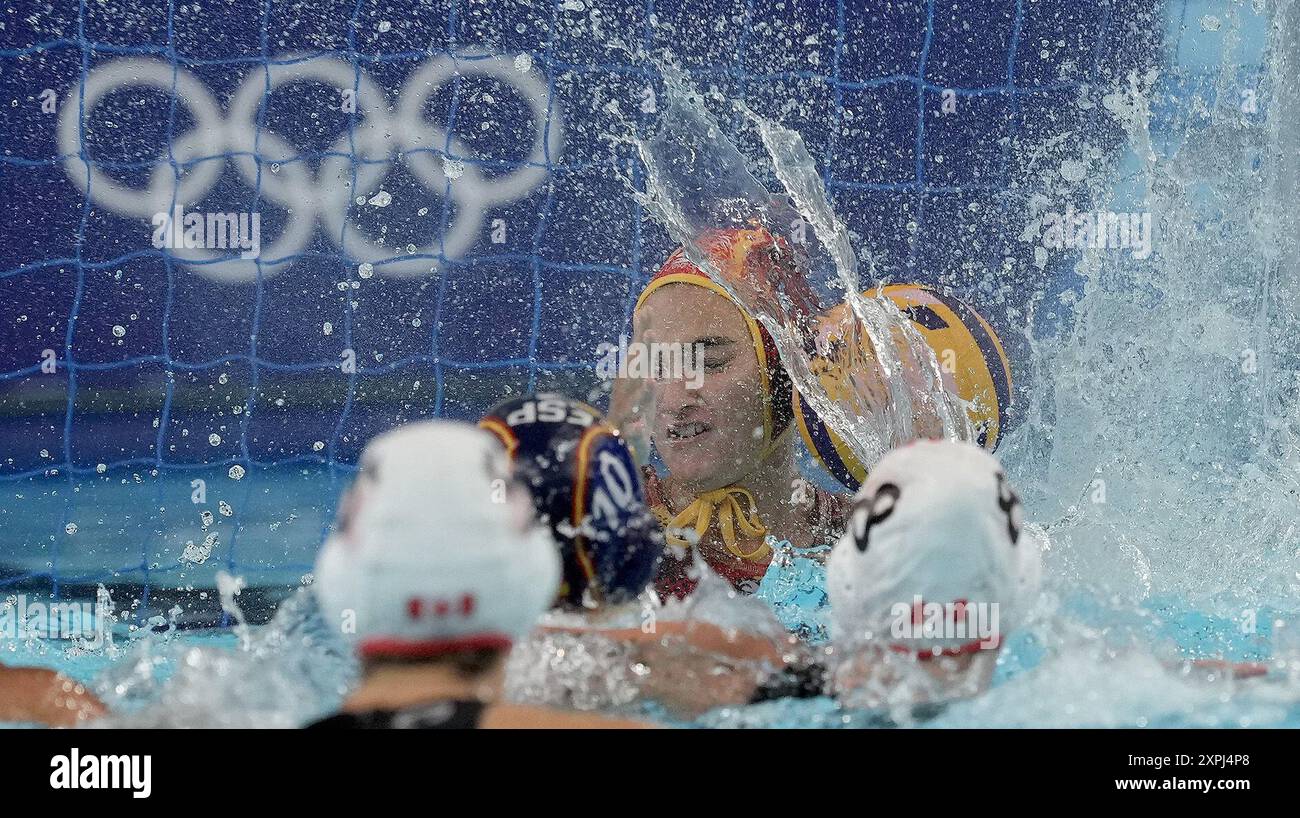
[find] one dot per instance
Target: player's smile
(681, 432)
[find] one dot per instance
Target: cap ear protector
(586, 486)
(967, 349)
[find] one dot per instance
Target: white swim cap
(437, 549)
(933, 560)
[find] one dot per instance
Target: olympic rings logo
(326, 195)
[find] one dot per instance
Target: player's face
(710, 436)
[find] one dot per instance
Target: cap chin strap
(732, 514)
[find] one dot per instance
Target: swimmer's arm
(689, 682)
(526, 717)
(775, 283)
(868, 378)
(629, 404)
(29, 694)
(702, 636)
(701, 666)
(622, 402)
(683, 659)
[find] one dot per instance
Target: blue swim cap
(586, 486)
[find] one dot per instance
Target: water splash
(1159, 443)
(229, 587)
(697, 180)
(1165, 415)
(284, 674)
(581, 671)
(665, 677)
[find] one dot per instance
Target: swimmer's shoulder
(528, 717)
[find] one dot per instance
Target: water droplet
(224, 508)
(318, 445)
(100, 468)
(328, 328)
(119, 331)
(1040, 257)
(366, 269)
(384, 26)
(215, 440)
(71, 528)
(1073, 170)
(223, 378)
(236, 472)
(524, 63)
(381, 199)
(454, 168)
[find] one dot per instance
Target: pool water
(1081, 662)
